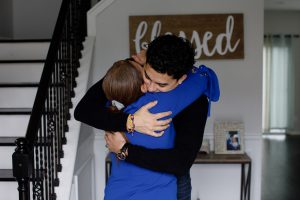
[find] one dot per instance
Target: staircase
(37, 81)
(21, 65)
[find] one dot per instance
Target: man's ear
(181, 79)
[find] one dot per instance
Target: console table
(242, 159)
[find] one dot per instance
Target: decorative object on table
(229, 137)
(205, 148)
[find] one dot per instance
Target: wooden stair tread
(21, 84)
(8, 141)
(22, 61)
(15, 111)
(6, 175)
(27, 84)
(24, 40)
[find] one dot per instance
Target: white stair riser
(13, 125)
(24, 51)
(6, 157)
(17, 97)
(9, 191)
(20, 72)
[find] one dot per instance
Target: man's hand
(147, 123)
(114, 141)
(140, 57)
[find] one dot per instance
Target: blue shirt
(128, 181)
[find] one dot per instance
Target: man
(165, 56)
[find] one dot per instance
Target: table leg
(248, 181)
(242, 181)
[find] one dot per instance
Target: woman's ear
(143, 88)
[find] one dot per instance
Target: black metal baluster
(46, 179)
(62, 65)
(48, 122)
(41, 171)
(22, 168)
(58, 132)
(35, 164)
(55, 117)
(38, 156)
(51, 134)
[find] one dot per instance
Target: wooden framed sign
(214, 36)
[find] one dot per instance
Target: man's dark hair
(171, 54)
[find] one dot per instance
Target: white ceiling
(282, 4)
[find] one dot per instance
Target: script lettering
(221, 46)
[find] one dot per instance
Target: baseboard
(293, 133)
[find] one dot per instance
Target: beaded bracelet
(131, 125)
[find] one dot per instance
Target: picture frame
(205, 147)
(229, 137)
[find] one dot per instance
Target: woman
(128, 181)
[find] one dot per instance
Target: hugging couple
(153, 108)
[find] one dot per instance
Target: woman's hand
(147, 123)
(114, 141)
(140, 57)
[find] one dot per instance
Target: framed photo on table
(229, 137)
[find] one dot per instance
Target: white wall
(287, 22)
(34, 19)
(240, 81)
(6, 19)
(84, 167)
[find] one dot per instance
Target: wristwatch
(122, 154)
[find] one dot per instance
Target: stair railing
(36, 160)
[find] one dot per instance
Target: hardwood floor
(281, 168)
